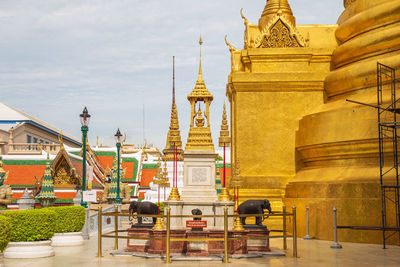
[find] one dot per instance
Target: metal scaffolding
(388, 126)
(388, 107)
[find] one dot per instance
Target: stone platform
(199, 248)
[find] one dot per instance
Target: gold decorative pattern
(279, 37)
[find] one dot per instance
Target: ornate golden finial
(276, 7)
(200, 68)
(224, 139)
(97, 142)
(231, 47)
(60, 139)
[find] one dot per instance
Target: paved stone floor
(311, 253)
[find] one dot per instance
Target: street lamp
(85, 118)
(118, 139)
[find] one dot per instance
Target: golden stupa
(199, 137)
(297, 139)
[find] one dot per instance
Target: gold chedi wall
(275, 79)
(337, 144)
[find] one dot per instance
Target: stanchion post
(294, 233)
(168, 240)
(307, 236)
(284, 227)
(335, 244)
(99, 230)
(226, 256)
(116, 227)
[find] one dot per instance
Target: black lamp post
(118, 139)
(85, 118)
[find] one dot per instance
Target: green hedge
(70, 218)
(5, 232)
(31, 225)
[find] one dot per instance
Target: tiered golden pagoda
(224, 141)
(174, 134)
(199, 137)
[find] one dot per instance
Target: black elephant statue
(143, 208)
(254, 206)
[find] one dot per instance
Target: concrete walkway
(311, 253)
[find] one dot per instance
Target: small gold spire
(200, 69)
(159, 225)
(174, 195)
(225, 196)
(60, 139)
(237, 226)
(224, 139)
(174, 134)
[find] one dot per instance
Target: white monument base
(199, 192)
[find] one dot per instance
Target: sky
(115, 57)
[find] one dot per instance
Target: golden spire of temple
(174, 134)
(199, 137)
(224, 139)
(276, 7)
(200, 90)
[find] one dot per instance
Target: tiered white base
(28, 250)
(67, 239)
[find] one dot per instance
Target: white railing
(33, 149)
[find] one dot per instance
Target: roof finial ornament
(200, 69)
(60, 139)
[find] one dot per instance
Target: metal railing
(116, 233)
(336, 244)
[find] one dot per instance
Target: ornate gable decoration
(280, 33)
(64, 172)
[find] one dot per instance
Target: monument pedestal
(197, 248)
(259, 245)
(138, 245)
(199, 176)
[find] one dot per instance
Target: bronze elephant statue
(143, 208)
(254, 206)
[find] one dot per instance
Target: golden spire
(224, 139)
(199, 136)
(276, 7)
(200, 91)
(174, 134)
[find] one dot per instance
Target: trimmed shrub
(5, 232)
(31, 225)
(70, 218)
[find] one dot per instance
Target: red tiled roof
(147, 176)
(106, 161)
(129, 169)
(24, 174)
